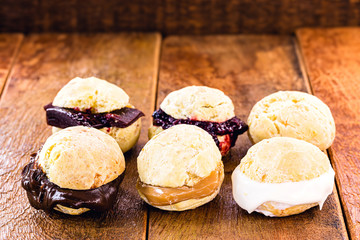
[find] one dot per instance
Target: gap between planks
(19, 40)
(332, 59)
(156, 85)
(306, 77)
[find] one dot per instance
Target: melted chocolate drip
(45, 195)
(67, 117)
(234, 126)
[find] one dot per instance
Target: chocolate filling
(67, 117)
(45, 195)
(233, 127)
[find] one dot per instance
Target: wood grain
(332, 60)
(9, 45)
(176, 17)
(247, 68)
(44, 65)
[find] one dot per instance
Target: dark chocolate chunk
(45, 195)
(66, 117)
(234, 126)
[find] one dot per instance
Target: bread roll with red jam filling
(207, 108)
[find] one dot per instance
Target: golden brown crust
(70, 211)
(272, 208)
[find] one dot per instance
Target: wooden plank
(9, 46)
(247, 68)
(332, 60)
(44, 65)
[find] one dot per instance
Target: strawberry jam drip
(232, 127)
(225, 145)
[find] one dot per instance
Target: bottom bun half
(190, 203)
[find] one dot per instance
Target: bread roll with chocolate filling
(207, 108)
(93, 102)
(180, 169)
(77, 169)
(282, 176)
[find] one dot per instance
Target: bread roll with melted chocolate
(292, 114)
(77, 166)
(282, 176)
(204, 107)
(180, 169)
(93, 102)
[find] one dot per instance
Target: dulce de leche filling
(162, 196)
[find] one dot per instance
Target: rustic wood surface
(9, 46)
(247, 68)
(176, 17)
(332, 60)
(44, 65)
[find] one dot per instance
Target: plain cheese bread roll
(292, 114)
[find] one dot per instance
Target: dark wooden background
(176, 17)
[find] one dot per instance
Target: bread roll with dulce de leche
(180, 169)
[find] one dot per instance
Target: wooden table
(325, 62)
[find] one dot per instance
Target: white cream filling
(250, 194)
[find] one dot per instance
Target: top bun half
(179, 156)
(81, 158)
(284, 159)
(91, 93)
(198, 103)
